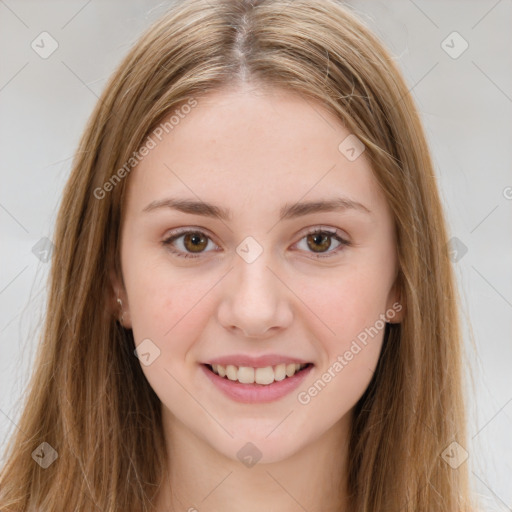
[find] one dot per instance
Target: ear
(395, 306)
(121, 311)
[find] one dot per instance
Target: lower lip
(256, 393)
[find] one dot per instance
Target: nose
(255, 302)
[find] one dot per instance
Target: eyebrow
(288, 211)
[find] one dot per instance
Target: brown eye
(188, 244)
(319, 240)
(195, 242)
(320, 243)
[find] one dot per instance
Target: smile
(265, 384)
(263, 376)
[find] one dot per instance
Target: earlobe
(119, 301)
(395, 311)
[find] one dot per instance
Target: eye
(320, 241)
(194, 241)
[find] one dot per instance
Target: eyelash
(334, 234)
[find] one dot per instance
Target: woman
(251, 302)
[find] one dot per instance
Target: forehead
(251, 146)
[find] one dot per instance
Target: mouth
(257, 385)
(265, 376)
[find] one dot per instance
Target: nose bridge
(255, 282)
(252, 261)
(254, 278)
(254, 299)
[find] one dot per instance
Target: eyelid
(326, 229)
(189, 229)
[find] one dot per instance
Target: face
(238, 269)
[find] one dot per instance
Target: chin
(262, 446)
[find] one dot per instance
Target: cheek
(352, 310)
(157, 296)
(344, 305)
(168, 307)
(162, 306)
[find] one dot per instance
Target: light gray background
(466, 105)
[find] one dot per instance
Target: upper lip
(255, 362)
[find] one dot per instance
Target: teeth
(265, 376)
(290, 369)
(246, 375)
(280, 372)
(232, 372)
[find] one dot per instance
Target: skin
(253, 150)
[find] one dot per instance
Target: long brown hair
(88, 398)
